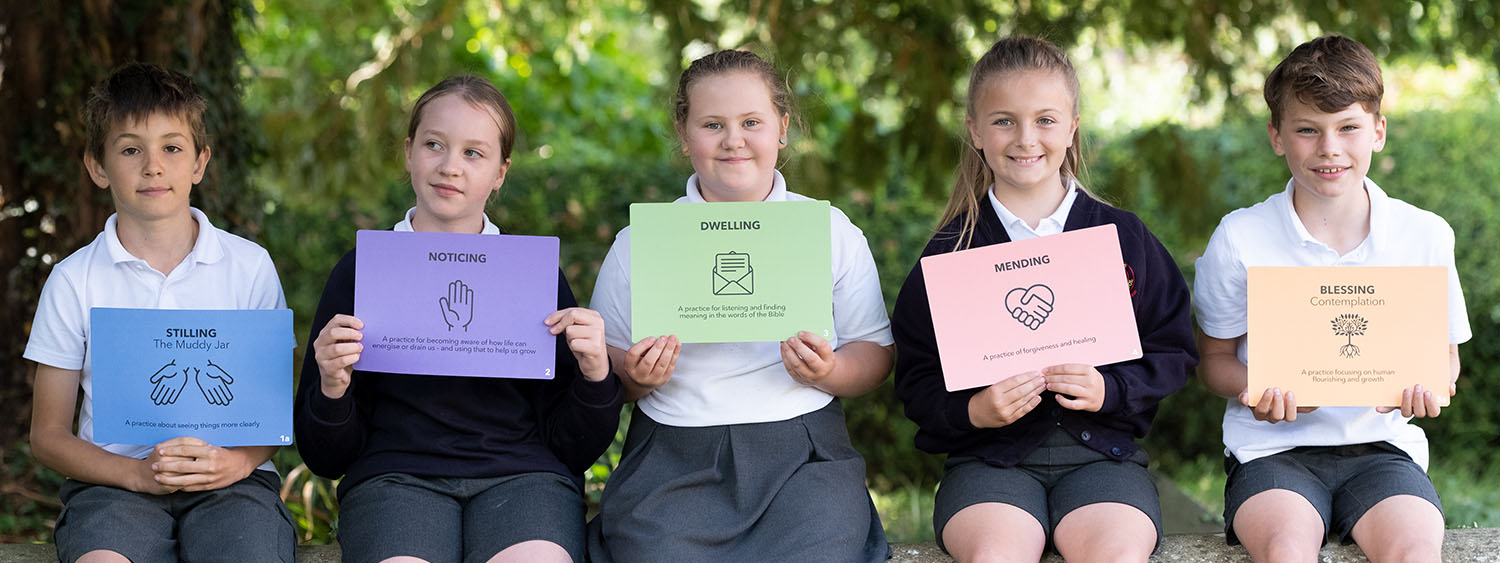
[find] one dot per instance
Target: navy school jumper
(1132, 389)
(436, 426)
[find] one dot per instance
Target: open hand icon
(168, 386)
(216, 388)
(458, 306)
(1030, 306)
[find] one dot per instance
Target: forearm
(80, 460)
(633, 390)
(1219, 365)
(617, 363)
(1223, 374)
(254, 455)
(860, 367)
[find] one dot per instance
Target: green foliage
(29, 494)
(310, 499)
(1469, 486)
(906, 513)
(315, 151)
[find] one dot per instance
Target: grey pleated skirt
(792, 490)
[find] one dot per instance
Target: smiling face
(1024, 123)
(1328, 153)
(455, 163)
(732, 135)
(150, 166)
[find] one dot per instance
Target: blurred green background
(309, 102)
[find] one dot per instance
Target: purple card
(453, 304)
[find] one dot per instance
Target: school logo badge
(1130, 278)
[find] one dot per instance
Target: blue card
(223, 376)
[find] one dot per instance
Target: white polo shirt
(222, 271)
(745, 382)
(1270, 234)
(1016, 227)
(405, 224)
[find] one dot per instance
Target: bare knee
(533, 550)
(992, 551)
(1279, 525)
(103, 556)
(1401, 528)
(1412, 549)
(994, 533)
(1106, 531)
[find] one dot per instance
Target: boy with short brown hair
(182, 499)
(1296, 474)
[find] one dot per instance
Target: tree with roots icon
(1349, 325)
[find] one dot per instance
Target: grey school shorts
(245, 521)
(458, 519)
(1341, 482)
(1061, 476)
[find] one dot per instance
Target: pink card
(1009, 308)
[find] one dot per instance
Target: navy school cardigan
(436, 426)
(1132, 389)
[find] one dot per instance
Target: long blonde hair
(974, 177)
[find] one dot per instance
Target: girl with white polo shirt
(738, 451)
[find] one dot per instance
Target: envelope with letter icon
(732, 274)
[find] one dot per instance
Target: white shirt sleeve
(612, 293)
(858, 305)
(1219, 287)
(59, 330)
(265, 291)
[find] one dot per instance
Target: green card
(730, 272)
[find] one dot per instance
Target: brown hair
(478, 92)
(1331, 72)
(974, 177)
(136, 91)
(725, 62)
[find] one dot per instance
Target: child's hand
(649, 363)
(190, 464)
(1079, 387)
(336, 349)
(1418, 402)
(1007, 400)
(144, 476)
(1275, 406)
(585, 336)
(808, 358)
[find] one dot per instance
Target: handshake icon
(1030, 306)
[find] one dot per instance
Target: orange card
(1009, 308)
(1348, 336)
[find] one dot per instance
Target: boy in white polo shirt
(183, 498)
(1299, 473)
